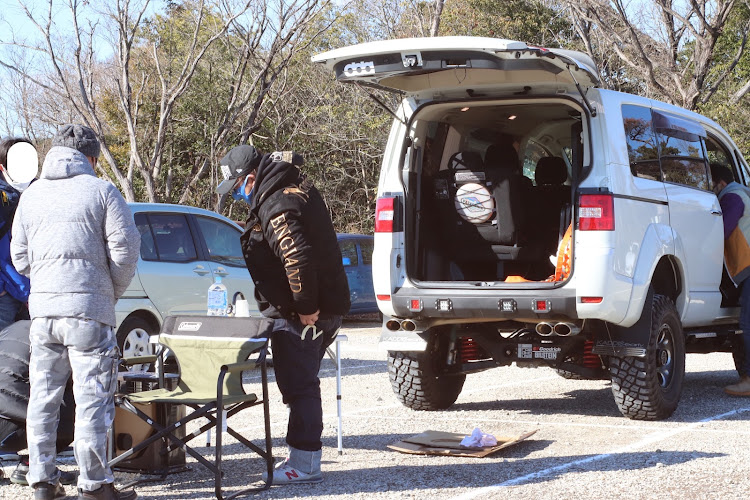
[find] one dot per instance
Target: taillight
(387, 216)
(596, 212)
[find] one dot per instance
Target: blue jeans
(297, 353)
(745, 324)
(9, 307)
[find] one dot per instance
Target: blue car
(356, 251)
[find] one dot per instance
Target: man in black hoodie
(292, 253)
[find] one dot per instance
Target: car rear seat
(551, 197)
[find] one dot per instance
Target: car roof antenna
(591, 108)
(380, 103)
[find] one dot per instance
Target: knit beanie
(78, 137)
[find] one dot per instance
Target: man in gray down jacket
(74, 237)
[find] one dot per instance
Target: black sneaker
(47, 491)
(19, 475)
(107, 492)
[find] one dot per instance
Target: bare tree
(667, 44)
(436, 17)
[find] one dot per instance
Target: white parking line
(653, 438)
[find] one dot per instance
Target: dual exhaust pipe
(562, 329)
(544, 329)
(395, 325)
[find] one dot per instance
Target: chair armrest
(138, 360)
(239, 367)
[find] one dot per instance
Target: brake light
(596, 212)
(387, 215)
(591, 300)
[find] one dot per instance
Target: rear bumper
(434, 306)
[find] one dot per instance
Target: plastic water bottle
(217, 298)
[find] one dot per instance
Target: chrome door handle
(716, 212)
(200, 270)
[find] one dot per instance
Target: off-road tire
(415, 388)
(649, 388)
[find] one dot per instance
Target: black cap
(241, 160)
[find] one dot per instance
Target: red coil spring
(590, 360)
(468, 350)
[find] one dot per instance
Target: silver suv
(527, 216)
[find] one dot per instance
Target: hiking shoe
(741, 388)
(47, 491)
(107, 492)
(284, 473)
(19, 475)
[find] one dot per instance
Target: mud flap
(614, 340)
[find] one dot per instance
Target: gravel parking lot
(583, 448)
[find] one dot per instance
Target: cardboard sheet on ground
(449, 443)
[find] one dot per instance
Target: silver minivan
(526, 215)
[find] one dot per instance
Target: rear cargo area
(491, 187)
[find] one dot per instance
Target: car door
(427, 65)
(222, 246)
(694, 212)
(173, 276)
(365, 273)
(350, 258)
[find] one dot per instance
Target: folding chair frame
(215, 413)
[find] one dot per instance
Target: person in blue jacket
(14, 287)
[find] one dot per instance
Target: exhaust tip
(566, 329)
(393, 325)
(544, 329)
(408, 325)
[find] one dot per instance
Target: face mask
(239, 193)
(18, 186)
(23, 166)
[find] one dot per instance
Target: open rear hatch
(446, 64)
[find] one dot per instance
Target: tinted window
(349, 252)
(685, 171)
(365, 246)
(681, 151)
(172, 237)
(643, 152)
(148, 248)
(222, 241)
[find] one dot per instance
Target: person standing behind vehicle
(734, 199)
(75, 237)
(14, 287)
(291, 251)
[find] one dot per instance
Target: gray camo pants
(89, 349)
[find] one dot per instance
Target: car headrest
(501, 156)
(466, 160)
(550, 170)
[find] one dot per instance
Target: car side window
(366, 246)
(148, 247)
(681, 150)
(349, 252)
(643, 151)
(222, 241)
(718, 154)
(172, 237)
